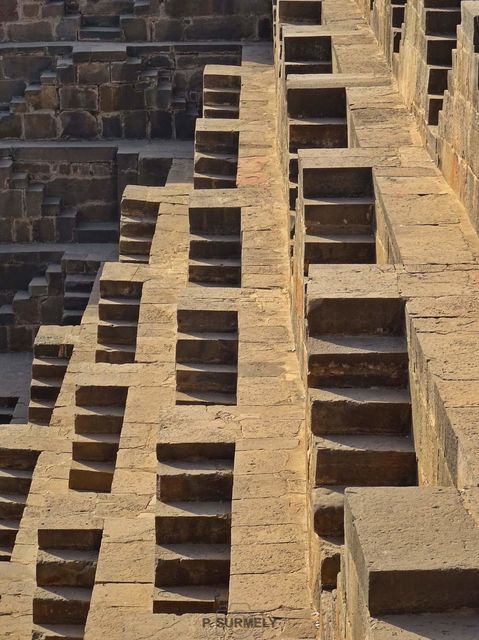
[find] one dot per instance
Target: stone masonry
(239, 320)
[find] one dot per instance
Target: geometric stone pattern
(265, 419)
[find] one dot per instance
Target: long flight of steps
(338, 212)
(119, 309)
(359, 410)
(16, 471)
(215, 246)
(316, 120)
(79, 274)
(65, 575)
(207, 357)
(50, 362)
(216, 154)
(441, 22)
(99, 414)
(221, 91)
(193, 527)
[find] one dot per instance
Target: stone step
(98, 447)
(214, 246)
(120, 288)
(19, 180)
(12, 506)
(360, 411)
(213, 181)
(308, 67)
(115, 309)
(105, 34)
(115, 353)
(434, 106)
(111, 396)
(5, 554)
(221, 111)
(91, 476)
(49, 367)
(77, 282)
(439, 50)
(438, 78)
(338, 214)
(197, 480)
(97, 232)
(207, 348)
(192, 564)
(193, 522)
(203, 398)
(139, 246)
(339, 249)
(69, 539)
(221, 272)
(329, 560)
(7, 314)
(216, 164)
(215, 221)
(58, 631)
(356, 315)
(138, 226)
(117, 332)
(99, 419)
(299, 11)
(442, 21)
(207, 321)
(358, 361)
(51, 206)
(76, 300)
(300, 46)
(190, 599)
(221, 96)
(15, 481)
(134, 258)
(40, 411)
(214, 79)
(206, 377)
(364, 461)
(66, 568)
(317, 133)
(61, 605)
(8, 533)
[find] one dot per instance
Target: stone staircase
(206, 357)
(215, 246)
(50, 362)
(193, 527)
(441, 24)
(221, 91)
(16, 471)
(337, 222)
(99, 416)
(216, 154)
(38, 216)
(118, 310)
(65, 575)
(359, 410)
(79, 275)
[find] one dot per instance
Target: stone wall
(133, 21)
(104, 91)
(458, 135)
